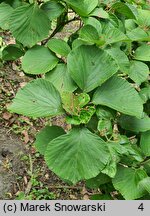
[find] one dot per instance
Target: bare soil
(11, 149)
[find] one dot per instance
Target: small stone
(5, 152)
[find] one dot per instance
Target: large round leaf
(143, 53)
(145, 184)
(138, 72)
(95, 183)
(82, 7)
(99, 12)
(121, 58)
(138, 34)
(78, 42)
(5, 13)
(61, 79)
(77, 155)
(116, 152)
(126, 182)
(38, 60)
(53, 9)
(125, 9)
(12, 52)
(46, 135)
(118, 94)
(113, 35)
(93, 22)
(143, 18)
(90, 66)
(29, 24)
(145, 143)
(89, 33)
(38, 98)
(145, 94)
(134, 124)
(59, 46)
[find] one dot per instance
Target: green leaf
(145, 143)
(94, 183)
(145, 94)
(93, 22)
(46, 135)
(14, 3)
(142, 53)
(126, 182)
(147, 166)
(134, 152)
(52, 9)
(125, 9)
(89, 33)
(130, 25)
(5, 13)
(104, 127)
(118, 94)
(105, 112)
(38, 60)
(138, 72)
(143, 18)
(101, 197)
(61, 79)
(114, 35)
(38, 98)
(134, 124)
(83, 117)
(122, 139)
(121, 58)
(90, 66)
(82, 7)
(116, 152)
(100, 13)
(11, 52)
(79, 42)
(21, 196)
(138, 34)
(113, 22)
(59, 46)
(73, 103)
(110, 169)
(147, 107)
(29, 24)
(77, 155)
(145, 184)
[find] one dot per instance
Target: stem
(29, 185)
(64, 186)
(144, 162)
(58, 28)
(35, 1)
(31, 165)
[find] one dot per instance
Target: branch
(64, 186)
(145, 161)
(58, 28)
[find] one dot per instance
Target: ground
(22, 168)
(24, 174)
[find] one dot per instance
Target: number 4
(141, 207)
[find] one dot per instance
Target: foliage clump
(98, 78)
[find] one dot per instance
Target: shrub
(97, 78)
